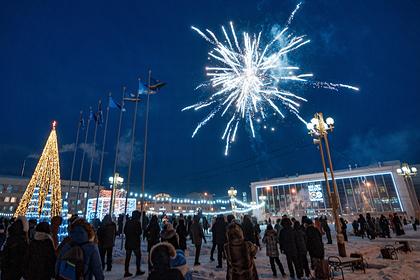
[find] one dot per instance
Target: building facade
(12, 189)
(375, 189)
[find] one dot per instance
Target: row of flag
(143, 89)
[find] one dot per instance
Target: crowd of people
(372, 227)
(32, 250)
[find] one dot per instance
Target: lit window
(7, 199)
(11, 208)
(13, 199)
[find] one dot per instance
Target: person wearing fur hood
(169, 235)
(240, 255)
(40, 257)
(162, 255)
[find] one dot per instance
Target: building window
(13, 199)
(7, 199)
(11, 208)
(9, 188)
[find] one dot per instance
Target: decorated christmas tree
(42, 198)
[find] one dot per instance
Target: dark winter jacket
(169, 235)
(106, 234)
(91, 257)
(181, 230)
(13, 253)
(240, 256)
(197, 233)
(152, 233)
(40, 258)
(271, 240)
(287, 239)
(301, 242)
(132, 231)
(314, 242)
(219, 231)
(249, 231)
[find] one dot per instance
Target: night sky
(60, 57)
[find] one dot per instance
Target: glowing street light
(408, 172)
(318, 129)
(232, 193)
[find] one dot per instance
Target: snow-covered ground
(407, 267)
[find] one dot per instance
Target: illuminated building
(374, 189)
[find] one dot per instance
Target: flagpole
(143, 181)
(93, 153)
(74, 154)
(133, 133)
(111, 206)
(102, 158)
(82, 164)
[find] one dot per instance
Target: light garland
(46, 181)
(250, 207)
(180, 200)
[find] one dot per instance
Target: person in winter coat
(152, 233)
(107, 232)
(355, 226)
(132, 231)
(179, 261)
(397, 225)
(301, 248)
(31, 231)
(363, 225)
(219, 238)
(326, 228)
(343, 224)
(160, 256)
(288, 246)
(249, 229)
(169, 235)
(40, 257)
(240, 255)
(197, 235)
(214, 245)
(272, 251)
(370, 226)
(384, 225)
(13, 252)
(314, 243)
(82, 234)
(56, 222)
(181, 230)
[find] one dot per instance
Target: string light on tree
(42, 197)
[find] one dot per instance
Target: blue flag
(91, 116)
(142, 88)
(113, 104)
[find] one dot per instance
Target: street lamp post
(116, 181)
(232, 193)
(408, 172)
(319, 128)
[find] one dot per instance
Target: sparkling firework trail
(250, 78)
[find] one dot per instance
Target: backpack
(71, 263)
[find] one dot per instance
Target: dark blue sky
(59, 57)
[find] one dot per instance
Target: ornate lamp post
(318, 128)
(118, 182)
(232, 193)
(408, 172)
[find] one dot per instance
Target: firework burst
(249, 78)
